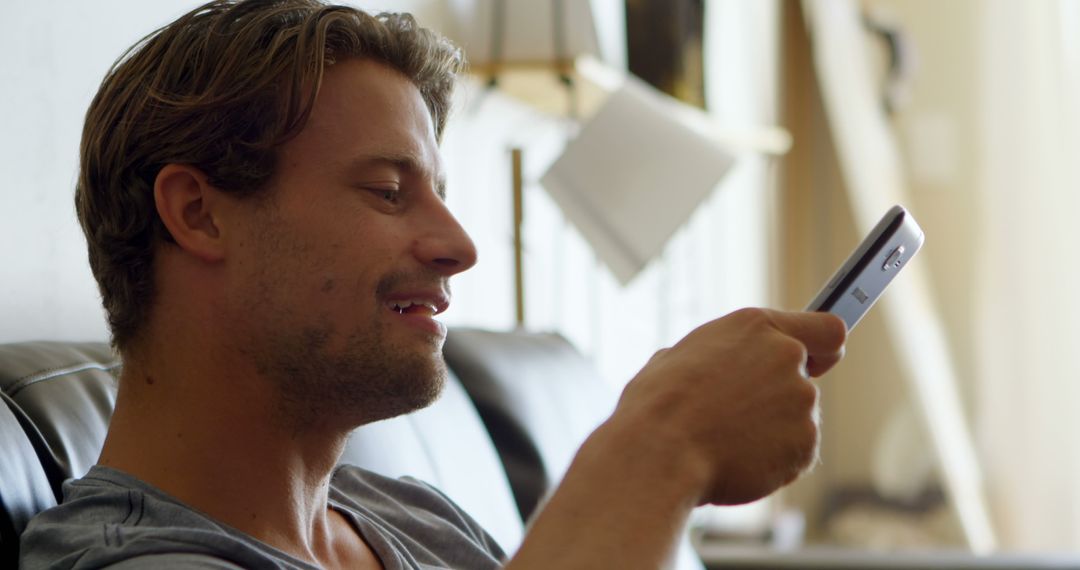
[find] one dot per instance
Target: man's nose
(443, 244)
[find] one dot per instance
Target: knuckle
(837, 330)
(791, 352)
(808, 395)
(752, 316)
(658, 355)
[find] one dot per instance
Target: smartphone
(856, 286)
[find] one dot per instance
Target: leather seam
(56, 372)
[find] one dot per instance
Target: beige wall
(865, 401)
(938, 131)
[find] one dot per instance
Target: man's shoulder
(416, 515)
(108, 519)
(352, 482)
(399, 499)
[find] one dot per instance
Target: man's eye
(391, 195)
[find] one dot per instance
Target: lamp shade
(635, 173)
(521, 31)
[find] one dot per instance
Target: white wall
(52, 57)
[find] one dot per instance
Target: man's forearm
(617, 507)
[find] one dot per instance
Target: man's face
(343, 267)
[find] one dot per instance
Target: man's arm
(726, 416)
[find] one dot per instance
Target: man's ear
(188, 206)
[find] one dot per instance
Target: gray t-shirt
(111, 519)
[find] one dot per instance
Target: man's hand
(732, 401)
(726, 416)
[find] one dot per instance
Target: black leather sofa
(514, 412)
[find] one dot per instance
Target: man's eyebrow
(404, 162)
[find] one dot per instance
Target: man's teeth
(402, 306)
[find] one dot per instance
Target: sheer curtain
(1028, 418)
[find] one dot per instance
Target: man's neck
(213, 443)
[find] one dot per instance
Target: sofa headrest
(24, 488)
(57, 399)
(67, 392)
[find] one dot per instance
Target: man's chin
(370, 380)
(421, 393)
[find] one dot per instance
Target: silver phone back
(856, 286)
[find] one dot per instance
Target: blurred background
(952, 423)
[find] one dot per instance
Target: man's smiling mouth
(415, 306)
(426, 302)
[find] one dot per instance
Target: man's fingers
(819, 364)
(822, 334)
(658, 354)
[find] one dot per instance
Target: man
(261, 191)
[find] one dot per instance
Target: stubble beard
(321, 374)
(366, 380)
